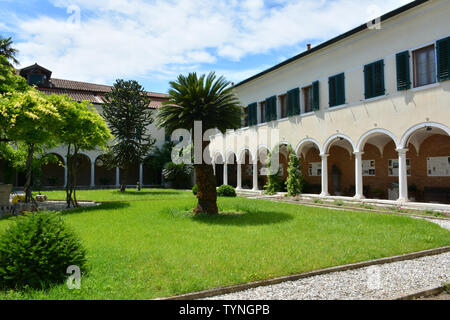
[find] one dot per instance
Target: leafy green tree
(80, 128)
(294, 181)
(7, 50)
(274, 182)
(212, 101)
(31, 119)
(128, 114)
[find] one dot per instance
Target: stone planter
(5, 191)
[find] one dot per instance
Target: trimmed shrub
(195, 189)
(36, 251)
(226, 191)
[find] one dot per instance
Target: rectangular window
(315, 169)
(403, 74)
(336, 90)
(393, 167)
(263, 111)
(308, 98)
(283, 106)
(374, 79)
(438, 166)
(424, 60)
(368, 168)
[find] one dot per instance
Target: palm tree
(7, 51)
(212, 101)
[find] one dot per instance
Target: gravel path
(375, 282)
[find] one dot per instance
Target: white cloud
(135, 38)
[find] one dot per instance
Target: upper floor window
(424, 60)
(36, 79)
(308, 98)
(283, 106)
(263, 111)
(336, 87)
(374, 79)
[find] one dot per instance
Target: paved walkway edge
(432, 291)
(245, 286)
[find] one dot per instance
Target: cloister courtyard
(148, 244)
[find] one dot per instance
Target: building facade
(367, 112)
(91, 171)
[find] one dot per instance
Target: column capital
(358, 153)
(324, 155)
(402, 150)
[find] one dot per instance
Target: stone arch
(242, 154)
(342, 137)
(425, 126)
(305, 142)
(372, 133)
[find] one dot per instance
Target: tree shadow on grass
(147, 193)
(104, 206)
(243, 219)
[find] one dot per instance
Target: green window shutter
(252, 114)
(374, 79)
(296, 101)
(274, 108)
(340, 89)
(368, 81)
(268, 110)
(379, 78)
(336, 89)
(271, 108)
(315, 96)
(403, 73)
(443, 59)
(332, 91)
(293, 102)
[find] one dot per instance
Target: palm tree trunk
(206, 182)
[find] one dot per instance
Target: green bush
(36, 251)
(178, 174)
(195, 189)
(226, 191)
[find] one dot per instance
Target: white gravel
(374, 282)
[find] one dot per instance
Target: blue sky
(154, 41)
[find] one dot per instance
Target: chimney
(308, 46)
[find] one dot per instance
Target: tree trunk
(206, 182)
(74, 173)
(29, 172)
(69, 164)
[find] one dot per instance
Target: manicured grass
(153, 247)
(115, 195)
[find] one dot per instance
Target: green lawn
(146, 245)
